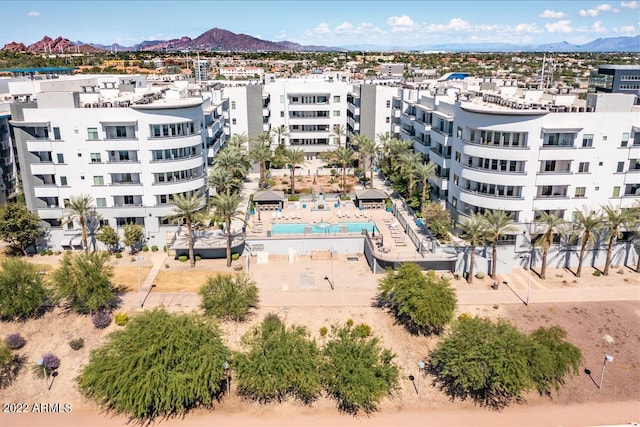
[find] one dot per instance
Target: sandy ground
(291, 286)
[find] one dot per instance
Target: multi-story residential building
(129, 146)
(496, 146)
(7, 163)
(617, 79)
(241, 72)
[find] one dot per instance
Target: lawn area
(181, 281)
(128, 276)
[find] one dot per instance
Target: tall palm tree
(395, 148)
(634, 224)
(226, 206)
(407, 164)
(370, 149)
(498, 223)
(424, 171)
(238, 140)
(474, 231)
(339, 131)
(187, 210)
(281, 133)
(550, 224)
(294, 157)
(260, 152)
(344, 157)
(356, 145)
(587, 223)
(614, 220)
(79, 208)
(222, 181)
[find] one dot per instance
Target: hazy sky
(328, 23)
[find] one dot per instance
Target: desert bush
(122, 319)
(49, 252)
(597, 273)
(23, 294)
(145, 248)
(198, 258)
(118, 255)
(480, 275)
(235, 256)
(76, 343)
(101, 319)
(15, 341)
(154, 248)
(323, 331)
(229, 297)
(159, 365)
(50, 362)
(183, 258)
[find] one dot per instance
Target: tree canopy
(229, 297)
(18, 226)
(422, 303)
(23, 293)
(159, 365)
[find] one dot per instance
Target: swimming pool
(323, 228)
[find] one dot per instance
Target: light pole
(140, 258)
(40, 362)
(528, 258)
(226, 367)
(607, 358)
(421, 366)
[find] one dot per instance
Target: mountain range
(223, 40)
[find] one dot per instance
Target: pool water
(322, 228)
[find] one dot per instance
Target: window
(56, 134)
(121, 131)
(604, 137)
(625, 139)
(92, 134)
(620, 167)
(70, 225)
(336, 113)
(60, 157)
(459, 132)
(101, 202)
(583, 167)
(281, 99)
(63, 181)
(96, 158)
(233, 121)
(454, 202)
(388, 104)
(281, 113)
(336, 98)
(387, 120)
(233, 105)
(616, 192)
(104, 222)
(587, 140)
(580, 191)
(98, 180)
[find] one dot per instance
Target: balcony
(552, 192)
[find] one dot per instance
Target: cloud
(455, 24)
(629, 4)
(559, 27)
(345, 27)
(598, 28)
(33, 13)
(527, 28)
(627, 29)
(400, 23)
(551, 14)
(282, 35)
(321, 28)
(596, 10)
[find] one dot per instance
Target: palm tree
(238, 140)
(294, 157)
(407, 164)
(551, 225)
(498, 223)
(474, 231)
(79, 208)
(222, 181)
(634, 224)
(424, 171)
(370, 149)
(587, 223)
(281, 132)
(343, 156)
(232, 160)
(614, 220)
(339, 131)
(226, 207)
(395, 148)
(260, 152)
(188, 209)
(356, 144)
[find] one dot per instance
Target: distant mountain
(219, 39)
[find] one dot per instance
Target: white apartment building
(497, 146)
(241, 72)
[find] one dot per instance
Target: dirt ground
(598, 328)
(325, 182)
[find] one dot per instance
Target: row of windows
(173, 130)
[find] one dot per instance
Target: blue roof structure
(40, 70)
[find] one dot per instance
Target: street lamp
(140, 258)
(607, 358)
(528, 258)
(226, 367)
(421, 367)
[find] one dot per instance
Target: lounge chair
(393, 224)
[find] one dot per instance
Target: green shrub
(118, 255)
(183, 258)
(49, 252)
(145, 248)
(154, 248)
(293, 198)
(228, 296)
(164, 248)
(198, 258)
(23, 293)
(122, 319)
(76, 343)
(480, 275)
(323, 331)
(57, 252)
(43, 252)
(597, 273)
(15, 341)
(235, 256)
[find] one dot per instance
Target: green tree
(370, 149)
(227, 207)
(424, 171)
(340, 132)
(438, 219)
(229, 297)
(342, 156)
(280, 362)
(498, 224)
(188, 210)
(261, 153)
(357, 371)
(422, 303)
(80, 209)
(294, 157)
(133, 236)
(23, 294)
(407, 164)
(474, 231)
(614, 219)
(222, 181)
(238, 141)
(83, 281)
(281, 133)
(109, 236)
(19, 227)
(159, 365)
(550, 224)
(587, 223)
